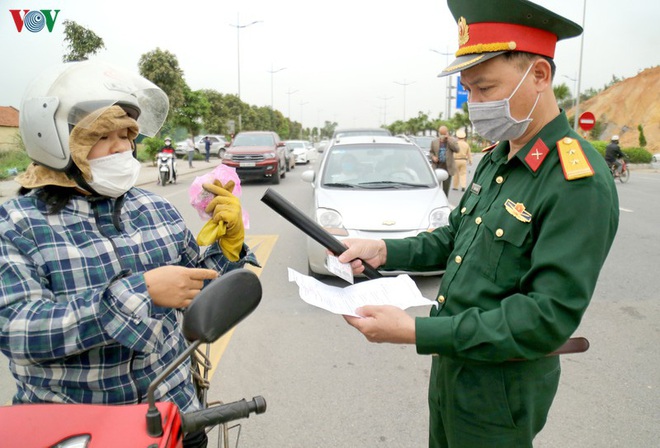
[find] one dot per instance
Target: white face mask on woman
(114, 175)
(493, 121)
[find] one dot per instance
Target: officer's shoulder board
(574, 162)
(489, 148)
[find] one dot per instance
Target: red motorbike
(221, 305)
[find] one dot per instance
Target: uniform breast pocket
(506, 248)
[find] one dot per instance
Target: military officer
(522, 250)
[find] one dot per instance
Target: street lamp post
(446, 54)
(574, 89)
(289, 93)
(385, 99)
(272, 106)
(301, 118)
(404, 84)
(238, 27)
(577, 102)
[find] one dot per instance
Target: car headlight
(439, 217)
(270, 155)
(331, 221)
(227, 156)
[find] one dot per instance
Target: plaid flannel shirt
(76, 320)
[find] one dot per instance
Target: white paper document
(400, 291)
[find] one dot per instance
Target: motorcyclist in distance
(169, 149)
(613, 153)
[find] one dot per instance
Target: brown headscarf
(83, 136)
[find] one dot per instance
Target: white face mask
(493, 121)
(114, 175)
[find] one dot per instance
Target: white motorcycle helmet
(63, 95)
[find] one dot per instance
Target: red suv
(257, 154)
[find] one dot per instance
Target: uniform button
(463, 210)
(568, 140)
(499, 179)
(441, 299)
(499, 233)
(478, 220)
(458, 259)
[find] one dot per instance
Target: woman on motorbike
(95, 272)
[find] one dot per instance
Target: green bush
(635, 155)
(150, 147)
(638, 155)
(13, 162)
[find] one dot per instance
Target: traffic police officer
(522, 250)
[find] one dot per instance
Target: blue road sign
(461, 94)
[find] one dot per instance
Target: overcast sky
(342, 60)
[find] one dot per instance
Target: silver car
(375, 187)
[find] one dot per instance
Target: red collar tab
(536, 155)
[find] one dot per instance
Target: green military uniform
(514, 287)
(522, 253)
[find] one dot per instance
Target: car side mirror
(441, 174)
(280, 144)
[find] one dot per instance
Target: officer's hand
(384, 323)
(373, 252)
(176, 286)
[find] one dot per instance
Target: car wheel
(276, 177)
(221, 153)
(288, 166)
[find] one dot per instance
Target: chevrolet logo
(389, 223)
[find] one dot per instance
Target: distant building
(8, 127)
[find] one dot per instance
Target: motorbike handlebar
(223, 413)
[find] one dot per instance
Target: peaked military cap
(488, 28)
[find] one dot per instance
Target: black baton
(289, 212)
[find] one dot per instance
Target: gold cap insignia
(518, 211)
(463, 32)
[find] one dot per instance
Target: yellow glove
(226, 223)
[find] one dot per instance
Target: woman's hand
(176, 286)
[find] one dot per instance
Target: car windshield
(424, 142)
(377, 166)
(254, 140)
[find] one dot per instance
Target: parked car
(301, 150)
(322, 145)
(257, 155)
(424, 142)
(655, 158)
(374, 187)
(218, 143)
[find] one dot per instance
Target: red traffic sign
(587, 121)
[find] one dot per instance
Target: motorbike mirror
(221, 305)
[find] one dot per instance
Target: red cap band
(489, 36)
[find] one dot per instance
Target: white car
(375, 187)
(218, 143)
(301, 150)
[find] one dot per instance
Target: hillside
(627, 104)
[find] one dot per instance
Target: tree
(642, 137)
(189, 115)
(81, 42)
(215, 121)
(162, 68)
